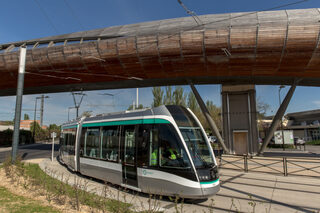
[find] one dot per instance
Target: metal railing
(274, 165)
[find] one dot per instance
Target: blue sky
(28, 19)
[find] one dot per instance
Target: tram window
(82, 139)
(92, 148)
(154, 147)
(129, 144)
(143, 144)
(171, 151)
(110, 143)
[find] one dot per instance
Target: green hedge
(6, 137)
(316, 142)
(287, 146)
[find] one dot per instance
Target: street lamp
(281, 127)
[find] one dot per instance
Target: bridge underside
(271, 47)
(160, 82)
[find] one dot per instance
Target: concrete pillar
(239, 116)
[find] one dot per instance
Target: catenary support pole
(41, 111)
(208, 117)
(17, 116)
(137, 98)
(277, 118)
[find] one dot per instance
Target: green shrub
(6, 137)
(316, 142)
(286, 146)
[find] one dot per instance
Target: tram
(162, 150)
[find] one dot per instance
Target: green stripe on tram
(211, 182)
(128, 122)
(70, 127)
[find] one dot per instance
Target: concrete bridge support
(240, 129)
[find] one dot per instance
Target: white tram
(163, 150)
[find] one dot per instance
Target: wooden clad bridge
(270, 47)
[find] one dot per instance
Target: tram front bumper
(210, 188)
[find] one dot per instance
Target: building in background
(304, 124)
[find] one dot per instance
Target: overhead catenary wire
(101, 75)
(46, 16)
(52, 76)
(190, 12)
(73, 14)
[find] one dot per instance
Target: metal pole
(34, 121)
(246, 169)
(41, 111)
(208, 117)
(17, 117)
(137, 99)
(276, 119)
(281, 125)
(77, 112)
(53, 136)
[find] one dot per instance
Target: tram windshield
(193, 136)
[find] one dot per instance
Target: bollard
(285, 167)
(245, 159)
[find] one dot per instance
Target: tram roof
(160, 110)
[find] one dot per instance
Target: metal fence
(275, 165)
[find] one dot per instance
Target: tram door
(129, 158)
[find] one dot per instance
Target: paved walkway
(240, 192)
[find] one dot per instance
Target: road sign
(53, 134)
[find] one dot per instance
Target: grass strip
(60, 190)
(12, 203)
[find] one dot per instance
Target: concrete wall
(5, 127)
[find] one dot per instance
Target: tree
(168, 98)
(157, 96)
(40, 134)
(215, 113)
(86, 114)
(26, 117)
(139, 107)
(192, 103)
(179, 98)
(262, 108)
(54, 128)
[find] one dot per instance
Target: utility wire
(47, 17)
(73, 14)
(52, 76)
(101, 75)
